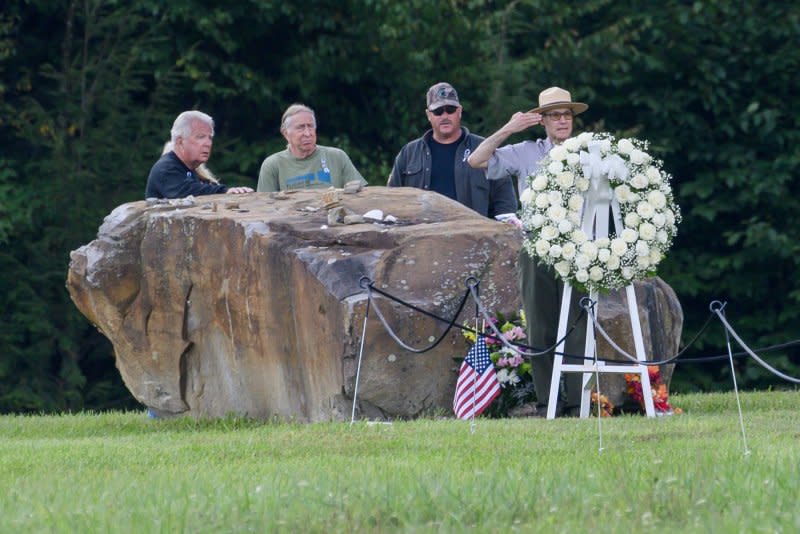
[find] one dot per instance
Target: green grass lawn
(120, 472)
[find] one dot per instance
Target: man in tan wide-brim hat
(555, 112)
(556, 97)
(541, 291)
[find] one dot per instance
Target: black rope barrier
(370, 287)
(586, 305)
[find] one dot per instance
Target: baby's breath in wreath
(553, 205)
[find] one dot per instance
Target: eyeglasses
(449, 109)
(558, 115)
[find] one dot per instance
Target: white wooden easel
(597, 202)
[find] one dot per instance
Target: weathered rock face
(252, 305)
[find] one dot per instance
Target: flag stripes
(477, 384)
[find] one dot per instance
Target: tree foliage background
(89, 89)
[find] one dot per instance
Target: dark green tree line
(88, 91)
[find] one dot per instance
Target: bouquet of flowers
(657, 386)
(513, 372)
(606, 407)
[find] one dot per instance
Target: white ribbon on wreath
(599, 170)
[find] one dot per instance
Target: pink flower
(515, 333)
(491, 341)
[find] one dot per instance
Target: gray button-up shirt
(518, 160)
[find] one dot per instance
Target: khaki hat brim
(576, 107)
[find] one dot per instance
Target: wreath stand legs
(591, 368)
(595, 222)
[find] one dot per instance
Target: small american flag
(477, 384)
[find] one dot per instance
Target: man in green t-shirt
(304, 164)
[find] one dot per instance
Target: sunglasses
(449, 109)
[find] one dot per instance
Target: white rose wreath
(554, 203)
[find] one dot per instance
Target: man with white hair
(175, 174)
(541, 290)
(305, 164)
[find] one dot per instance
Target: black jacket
(412, 168)
(170, 178)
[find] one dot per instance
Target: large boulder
(252, 305)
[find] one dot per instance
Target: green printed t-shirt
(326, 167)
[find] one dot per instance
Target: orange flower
(606, 408)
(658, 390)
